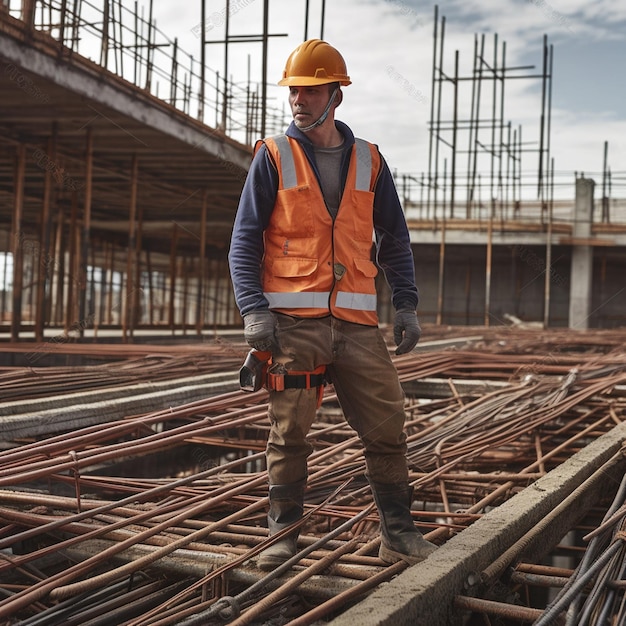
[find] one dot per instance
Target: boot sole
(390, 556)
(268, 563)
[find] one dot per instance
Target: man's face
(308, 103)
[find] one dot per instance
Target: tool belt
(257, 372)
(296, 380)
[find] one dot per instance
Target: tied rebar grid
(80, 543)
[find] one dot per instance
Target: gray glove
(406, 330)
(259, 330)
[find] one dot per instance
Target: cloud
(591, 131)
(391, 107)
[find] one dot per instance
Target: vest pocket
(361, 214)
(365, 267)
(292, 214)
(293, 267)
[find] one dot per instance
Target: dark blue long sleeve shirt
(393, 249)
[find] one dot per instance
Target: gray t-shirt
(329, 166)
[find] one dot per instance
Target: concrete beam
(55, 414)
(108, 90)
(184, 563)
(432, 236)
(424, 594)
(480, 237)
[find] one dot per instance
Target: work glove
(259, 330)
(406, 330)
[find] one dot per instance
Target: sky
(388, 48)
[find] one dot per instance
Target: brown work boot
(400, 540)
(286, 508)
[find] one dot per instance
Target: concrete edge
(423, 595)
(102, 394)
(49, 421)
(125, 99)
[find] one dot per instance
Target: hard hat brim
(308, 81)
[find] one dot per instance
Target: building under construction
(133, 487)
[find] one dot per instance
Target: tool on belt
(258, 371)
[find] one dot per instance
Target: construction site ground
(133, 487)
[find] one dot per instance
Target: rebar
(467, 452)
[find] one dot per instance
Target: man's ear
(338, 98)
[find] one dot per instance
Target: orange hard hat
(314, 62)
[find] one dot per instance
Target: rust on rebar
(467, 452)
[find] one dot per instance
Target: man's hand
(406, 330)
(259, 330)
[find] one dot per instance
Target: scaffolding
(120, 197)
(127, 42)
(482, 164)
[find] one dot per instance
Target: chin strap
(323, 116)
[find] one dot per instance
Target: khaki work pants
(367, 387)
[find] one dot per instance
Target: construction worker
(317, 207)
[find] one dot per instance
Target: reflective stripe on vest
(288, 167)
(363, 165)
(298, 299)
(357, 301)
(319, 300)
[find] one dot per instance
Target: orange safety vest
(314, 265)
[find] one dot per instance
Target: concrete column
(582, 256)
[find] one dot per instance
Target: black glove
(406, 330)
(259, 330)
